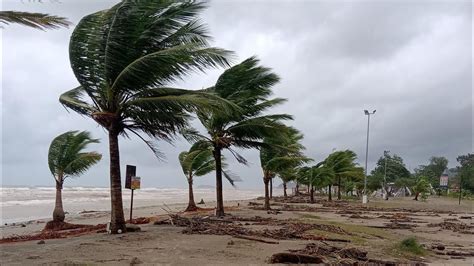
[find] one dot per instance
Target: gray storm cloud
(410, 60)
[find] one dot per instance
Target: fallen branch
(256, 239)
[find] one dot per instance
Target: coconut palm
(316, 177)
(248, 85)
(198, 161)
(422, 186)
(195, 162)
(125, 59)
(343, 165)
(282, 153)
(67, 158)
(34, 20)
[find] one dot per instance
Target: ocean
(20, 204)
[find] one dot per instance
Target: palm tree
(282, 153)
(248, 85)
(34, 20)
(198, 161)
(67, 158)
(125, 58)
(317, 176)
(343, 165)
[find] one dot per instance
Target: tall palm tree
(282, 153)
(125, 58)
(248, 85)
(198, 161)
(67, 158)
(343, 165)
(34, 20)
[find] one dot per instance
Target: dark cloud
(410, 60)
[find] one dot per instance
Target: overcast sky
(409, 60)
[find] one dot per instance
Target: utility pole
(368, 114)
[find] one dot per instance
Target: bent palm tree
(67, 158)
(343, 165)
(125, 58)
(248, 86)
(282, 153)
(317, 176)
(34, 20)
(198, 161)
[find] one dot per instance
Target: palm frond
(34, 20)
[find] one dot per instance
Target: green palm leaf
(34, 20)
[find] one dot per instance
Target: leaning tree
(198, 161)
(125, 59)
(282, 153)
(247, 85)
(67, 158)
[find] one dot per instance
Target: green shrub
(411, 245)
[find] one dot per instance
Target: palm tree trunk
(330, 192)
(297, 188)
(312, 194)
(284, 190)
(271, 188)
(191, 204)
(339, 188)
(220, 199)
(58, 213)
(117, 220)
(266, 181)
(416, 195)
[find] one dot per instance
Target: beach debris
(135, 261)
(465, 217)
(201, 202)
(337, 255)
(33, 257)
(61, 232)
(132, 228)
(230, 243)
(232, 225)
(294, 258)
(40, 242)
(455, 227)
(140, 220)
(251, 203)
(256, 239)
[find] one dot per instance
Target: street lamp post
(364, 197)
(384, 190)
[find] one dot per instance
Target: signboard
(130, 171)
(135, 184)
(443, 181)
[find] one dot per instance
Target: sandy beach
(342, 225)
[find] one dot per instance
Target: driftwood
(256, 239)
(294, 258)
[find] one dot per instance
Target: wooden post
(131, 206)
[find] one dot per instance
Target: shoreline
(94, 217)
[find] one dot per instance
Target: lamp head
(366, 112)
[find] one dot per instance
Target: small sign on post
(131, 182)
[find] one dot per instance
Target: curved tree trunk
(58, 213)
(271, 188)
(266, 181)
(219, 199)
(191, 204)
(284, 190)
(311, 194)
(416, 195)
(339, 188)
(117, 220)
(330, 192)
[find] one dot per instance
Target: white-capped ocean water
(19, 204)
